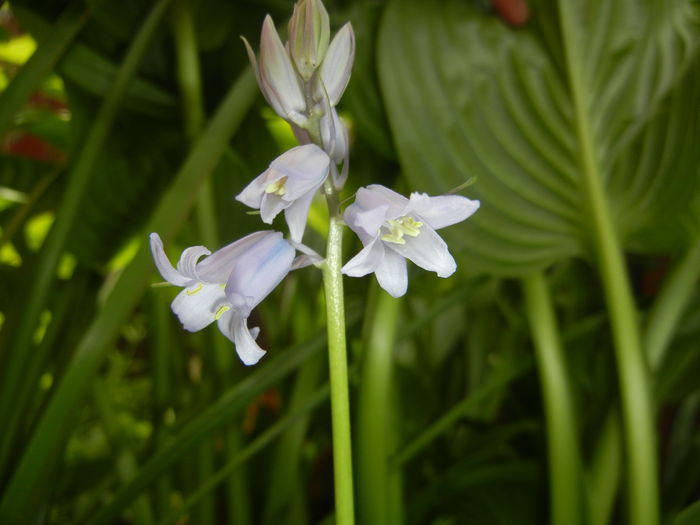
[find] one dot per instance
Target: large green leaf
(469, 97)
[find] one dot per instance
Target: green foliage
(111, 413)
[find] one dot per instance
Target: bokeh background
(498, 396)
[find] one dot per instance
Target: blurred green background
(552, 379)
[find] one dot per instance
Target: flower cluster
(303, 81)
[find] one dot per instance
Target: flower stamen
(402, 226)
(277, 187)
(221, 311)
(192, 292)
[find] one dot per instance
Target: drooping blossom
(226, 285)
(393, 228)
(289, 184)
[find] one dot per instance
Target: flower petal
(259, 270)
(428, 251)
(296, 215)
(253, 193)
(443, 210)
(306, 167)
(235, 328)
(218, 266)
(188, 261)
(367, 261)
(165, 268)
(270, 206)
(392, 274)
(307, 258)
(365, 222)
(197, 305)
(337, 65)
(377, 195)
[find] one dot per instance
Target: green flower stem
(637, 410)
(338, 366)
(51, 251)
(376, 416)
(562, 442)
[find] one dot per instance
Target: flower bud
(309, 34)
(337, 64)
(276, 75)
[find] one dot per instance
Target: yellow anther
(410, 226)
(192, 292)
(395, 237)
(277, 187)
(221, 311)
(402, 226)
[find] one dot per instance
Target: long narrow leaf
(44, 447)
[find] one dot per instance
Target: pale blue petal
(428, 251)
(443, 210)
(270, 206)
(392, 274)
(337, 65)
(253, 193)
(376, 195)
(196, 306)
(188, 261)
(307, 258)
(261, 268)
(165, 268)
(306, 167)
(235, 328)
(365, 222)
(218, 266)
(296, 215)
(367, 261)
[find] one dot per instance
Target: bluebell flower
(226, 285)
(393, 228)
(289, 184)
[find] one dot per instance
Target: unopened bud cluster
(304, 79)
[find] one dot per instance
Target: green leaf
(215, 416)
(469, 97)
(689, 516)
(45, 445)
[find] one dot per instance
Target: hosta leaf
(469, 97)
